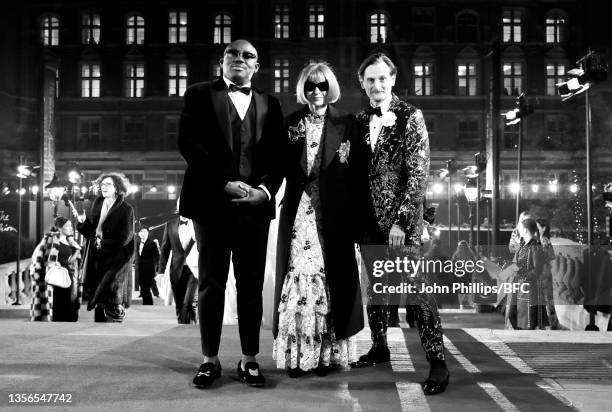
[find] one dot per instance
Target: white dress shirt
(186, 233)
(106, 206)
(240, 100)
(376, 123)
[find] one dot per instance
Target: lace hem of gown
(304, 339)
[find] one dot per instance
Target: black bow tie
(374, 110)
(183, 222)
(234, 88)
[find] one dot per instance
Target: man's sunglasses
(310, 86)
(246, 55)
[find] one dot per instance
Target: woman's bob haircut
(317, 73)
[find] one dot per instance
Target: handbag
(57, 275)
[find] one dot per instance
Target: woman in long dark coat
(530, 260)
(318, 305)
(109, 231)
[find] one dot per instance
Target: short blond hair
(316, 73)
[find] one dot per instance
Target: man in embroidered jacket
(395, 153)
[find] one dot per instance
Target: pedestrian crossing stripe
(499, 398)
(452, 349)
(400, 357)
(554, 389)
(411, 397)
(497, 346)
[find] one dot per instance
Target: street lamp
(458, 187)
(23, 172)
(56, 190)
(480, 160)
(593, 69)
(471, 194)
(74, 177)
(447, 173)
(521, 111)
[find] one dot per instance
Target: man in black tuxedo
(178, 239)
(146, 262)
(231, 136)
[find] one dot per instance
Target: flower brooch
(343, 151)
(388, 119)
(297, 132)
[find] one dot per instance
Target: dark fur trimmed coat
(41, 308)
(108, 271)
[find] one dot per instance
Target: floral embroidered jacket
(398, 169)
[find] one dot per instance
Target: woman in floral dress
(318, 307)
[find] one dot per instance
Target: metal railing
(8, 283)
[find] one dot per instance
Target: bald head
(239, 62)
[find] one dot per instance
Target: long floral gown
(305, 334)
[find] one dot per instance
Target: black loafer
(322, 370)
(251, 375)
(374, 356)
(431, 387)
(206, 375)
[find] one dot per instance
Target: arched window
(177, 27)
(90, 28)
(379, 24)
(556, 22)
(222, 33)
(49, 30)
(468, 28)
(135, 29)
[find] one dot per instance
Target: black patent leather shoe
(374, 356)
(251, 375)
(206, 375)
(432, 387)
(295, 372)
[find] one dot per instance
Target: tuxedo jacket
(172, 242)
(146, 261)
(206, 142)
(398, 170)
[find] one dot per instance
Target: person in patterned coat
(51, 303)
(394, 147)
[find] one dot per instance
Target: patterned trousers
(424, 305)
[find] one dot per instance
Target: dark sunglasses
(310, 86)
(246, 55)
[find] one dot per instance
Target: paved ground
(148, 362)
